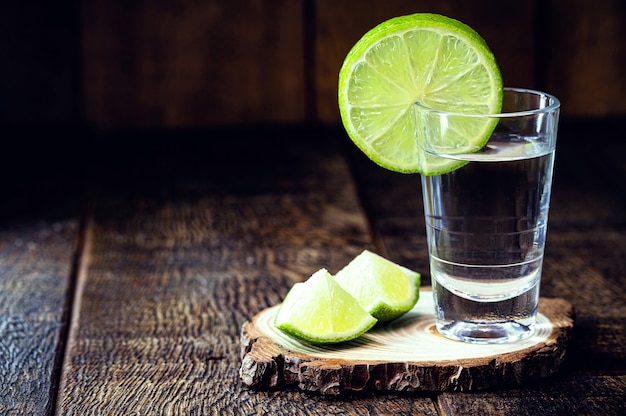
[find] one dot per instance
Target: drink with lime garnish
(486, 221)
(486, 169)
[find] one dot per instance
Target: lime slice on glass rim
(383, 288)
(320, 311)
(426, 58)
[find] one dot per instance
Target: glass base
(485, 332)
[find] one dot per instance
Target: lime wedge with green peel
(427, 58)
(383, 288)
(320, 311)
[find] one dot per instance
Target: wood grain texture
(189, 64)
(584, 55)
(36, 259)
(579, 394)
(185, 63)
(406, 355)
(190, 235)
(171, 272)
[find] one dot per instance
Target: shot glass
(486, 219)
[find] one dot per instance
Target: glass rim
(554, 104)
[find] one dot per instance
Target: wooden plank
(36, 260)
(584, 55)
(189, 63)
(158, 64)
(172, 269)
(339, 25)
(581, 394)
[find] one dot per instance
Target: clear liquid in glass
(486, 228)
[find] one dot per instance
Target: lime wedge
(320, 311)
(383, 288)
(427, 58)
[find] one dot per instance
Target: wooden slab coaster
(407, 354)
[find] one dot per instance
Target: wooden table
(126, 272)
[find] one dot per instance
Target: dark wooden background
(186, 63)
(170, 168)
